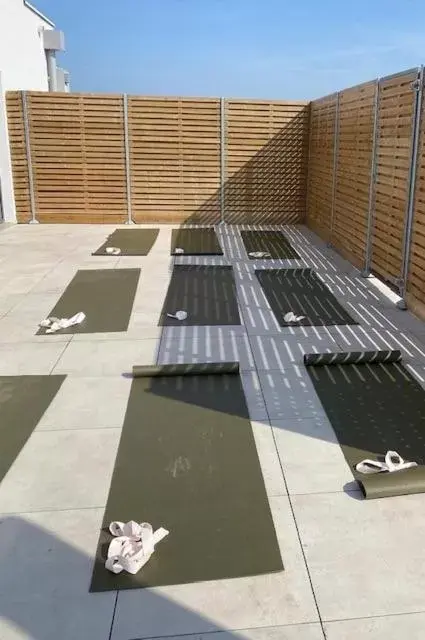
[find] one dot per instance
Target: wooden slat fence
(395, 114)
(320, 166)
(266, 161)
(416, 279)
(77, 151)
(353, 167)
(175, 159)
(79, 161)
(18, 156)
(339, 204)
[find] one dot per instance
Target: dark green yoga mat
(196, 369)
(106, 296)
(303, 293)
(375, 406)
(206, 293)
(196, 242)
(23, 401)
(352, 357)
(275, 243)
(187, 461)
(132, 242)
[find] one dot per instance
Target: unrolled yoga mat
(303, 293)
(106, 296)
(23, 401)
(132, 242)
(195, 242)
(275, 243)
(206, 293)
(187, 461)
(374, 405)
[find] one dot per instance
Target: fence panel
(175, 159)
(78, 157)
(321, 165)
(353, 172)
(395, 128)
(18, 154)
(416, 278)
(266, 159)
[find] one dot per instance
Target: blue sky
(241, 48)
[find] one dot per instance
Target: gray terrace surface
(353, 568)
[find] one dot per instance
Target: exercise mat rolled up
(190, 369)
(352, 357)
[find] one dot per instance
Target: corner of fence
(29, 158)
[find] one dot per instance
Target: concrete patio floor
(353, 568)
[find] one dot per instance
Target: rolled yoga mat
(206, 293)
(187, 461)
(131, 242)
(197, 369)
(352, 357)
(106, 296)
(375, 405)
(23, 401)
(303, 293)
(195, 242)
(275, 243)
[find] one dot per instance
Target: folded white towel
(132, 545)
(54, 324)
(179, 315)
(259, 254)
(291, 317)
(393, 462)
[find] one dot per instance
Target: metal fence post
(222, 159)
(335, 166)
(372, 184)
(418, 87)
(127, 160)
(29, 159)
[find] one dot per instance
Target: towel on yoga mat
(206, 293)
(374, 405)
(195, 242)
(129, 242)
(187, 461)
(105, 296)
(301, 292)
(273, 243)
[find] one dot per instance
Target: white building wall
(22, 57)
(22, 66)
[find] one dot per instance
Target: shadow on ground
(44, 584)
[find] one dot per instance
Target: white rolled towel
(393, 462)
(132, 546)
